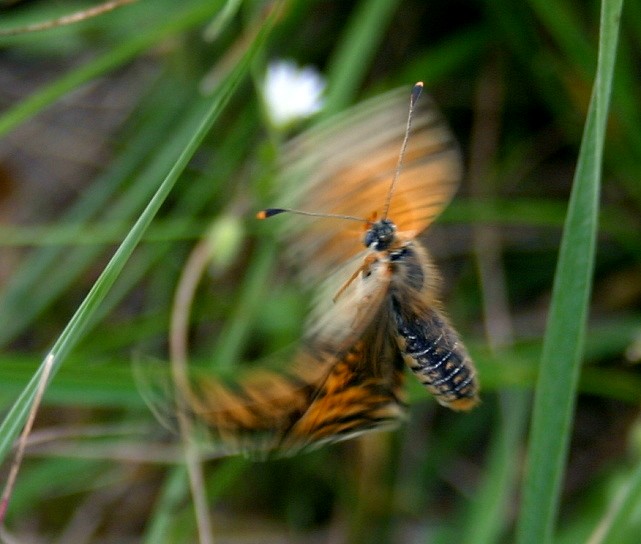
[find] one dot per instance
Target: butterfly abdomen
(433, 351)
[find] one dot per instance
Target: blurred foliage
(95, 115)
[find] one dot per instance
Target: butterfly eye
(380, 236)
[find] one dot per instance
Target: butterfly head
(380, 235)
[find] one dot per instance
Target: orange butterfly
(375, 310)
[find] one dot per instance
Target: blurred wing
(334, 324)
(362, 393)
(345, 166)
(252, 412)
(322, 399)
(345, 380)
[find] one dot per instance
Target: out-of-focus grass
(421, 485)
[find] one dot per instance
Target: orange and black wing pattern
(323, 397)
(344, 380)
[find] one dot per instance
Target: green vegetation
(540, 252)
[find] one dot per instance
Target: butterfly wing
(362, 390)
(346, 166)
(361, 393)
(252, 412)
(287, 412)
(344, 380)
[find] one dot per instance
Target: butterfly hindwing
(322, 398)
(344, 380)
(359, 394)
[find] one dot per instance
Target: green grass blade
(236, 329)
(616, 527)
(353, 54)
(563, 343)
(172, 496)
(102, 64)
(487, 518)
(562, 21)
(41, 280)
(76, 327)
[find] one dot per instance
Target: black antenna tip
(416, 92)
(269, 212)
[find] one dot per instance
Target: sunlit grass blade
(563, 344)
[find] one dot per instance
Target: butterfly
(354, 237)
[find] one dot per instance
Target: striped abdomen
(432, 349)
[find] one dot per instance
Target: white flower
(292, 93)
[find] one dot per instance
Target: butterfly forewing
(343, 309)
(347, 168)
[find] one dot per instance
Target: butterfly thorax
(408, 263)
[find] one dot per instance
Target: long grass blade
(616, 526)
(74, 330)
(563, 344)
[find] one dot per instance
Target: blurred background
(93, 117)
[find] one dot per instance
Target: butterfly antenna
(416, 92)
(270, 212)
